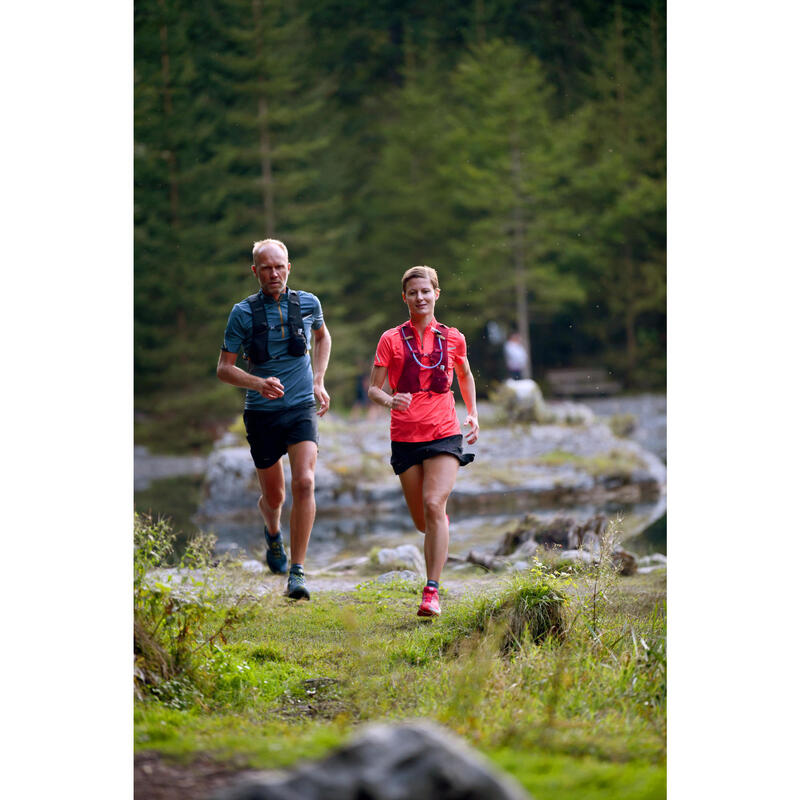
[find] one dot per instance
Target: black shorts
(406, 454)
(270, 433)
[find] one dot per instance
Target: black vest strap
(258, 349)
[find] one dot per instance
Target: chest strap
(413, 361)
(258, 348)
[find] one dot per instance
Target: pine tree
(500, 141)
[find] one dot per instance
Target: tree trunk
(520, 284)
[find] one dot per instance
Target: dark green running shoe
(276, 555)
(296, 588)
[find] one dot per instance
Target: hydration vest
(409, 378)
(258, 349)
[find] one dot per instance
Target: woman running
(418, 357)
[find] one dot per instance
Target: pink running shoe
(429, 607)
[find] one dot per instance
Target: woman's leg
(439, 477)
(411, 481)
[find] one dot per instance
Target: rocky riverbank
(532, 466)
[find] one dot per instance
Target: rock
(407, 761)
(520, 566)
(487, 561)
(653, 560)
(252, 566)
(582, 556)
(231, 481)
(624, 561)
(347, 564)
(565, 532)
(527, 549)
(398, 575)
(406, 556)
(522, 401)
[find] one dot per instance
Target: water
(337, 538)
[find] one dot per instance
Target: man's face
(272, 269)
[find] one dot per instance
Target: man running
(273, 327)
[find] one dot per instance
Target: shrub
(174, 636)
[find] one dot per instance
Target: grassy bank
(558, 678)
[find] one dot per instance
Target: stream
(351, 532)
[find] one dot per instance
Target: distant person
(418, 358)
(515, 355)
(273, 327)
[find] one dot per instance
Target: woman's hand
(474, 428)
(400, 401)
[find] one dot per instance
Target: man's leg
(273, 493)
(303, 460)
(439, 477)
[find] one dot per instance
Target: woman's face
(420, 296)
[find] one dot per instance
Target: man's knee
(272, 498)
(303, 484)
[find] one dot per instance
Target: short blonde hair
(264, 242)
(421, 272)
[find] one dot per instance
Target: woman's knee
(434, 505)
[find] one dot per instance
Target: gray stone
(654, 559)
(398, 575)
(577, 555)
(406, 761)
(252, 566)
(347, 564)
(406, 556)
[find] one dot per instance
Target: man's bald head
(271, 244)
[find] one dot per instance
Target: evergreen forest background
(518, 148)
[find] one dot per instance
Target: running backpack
(258, 349)
(409, 379)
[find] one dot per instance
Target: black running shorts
(270, 433)
(406, 454)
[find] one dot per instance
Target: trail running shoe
(276, 555)
(296, 587)
(429, 607)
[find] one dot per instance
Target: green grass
(572, 705)
(614, 462)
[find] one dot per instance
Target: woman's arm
(377, 378)
(466, 382)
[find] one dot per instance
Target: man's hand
(271, 388)
(474, 428)
(322, 398)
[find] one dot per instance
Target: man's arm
(228, 372)
(322, 353)
(466, 383)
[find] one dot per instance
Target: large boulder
(406, 761)
(405, 556)
(522, 401)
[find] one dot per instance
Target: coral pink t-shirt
(431, 415)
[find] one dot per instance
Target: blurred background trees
(517, 148)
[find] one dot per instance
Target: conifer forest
(517, 147)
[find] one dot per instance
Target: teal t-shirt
(292, 371)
